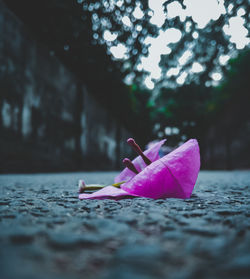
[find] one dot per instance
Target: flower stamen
(130, 165)
(138, 150)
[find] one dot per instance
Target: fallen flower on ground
(148, 175)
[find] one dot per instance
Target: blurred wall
(48, 119)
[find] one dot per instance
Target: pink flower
(172, 176)
(152, 153)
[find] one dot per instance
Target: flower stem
(94, 187)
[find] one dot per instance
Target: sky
(201, 11)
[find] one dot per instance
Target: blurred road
(46, 232)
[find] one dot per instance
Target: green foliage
(235, 88)
(193, 108)
(181, 107)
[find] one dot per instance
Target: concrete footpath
(46, 232)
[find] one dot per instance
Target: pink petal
(106, 192)
(174, 175)
(184, 164)
(152, 153)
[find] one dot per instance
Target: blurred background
(78, 77)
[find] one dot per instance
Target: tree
(207, 42)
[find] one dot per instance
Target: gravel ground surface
(46, 232)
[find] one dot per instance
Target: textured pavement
(46, 232)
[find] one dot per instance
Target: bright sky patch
(118, 51)
(197, 67)
(200, 11)
(108, 36)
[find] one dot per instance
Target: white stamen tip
(81, 186)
